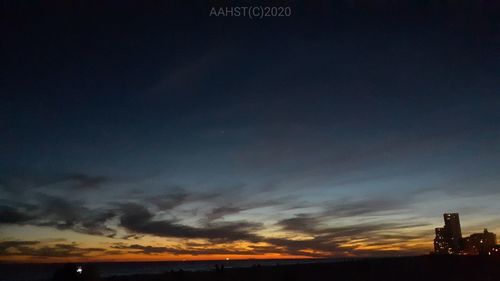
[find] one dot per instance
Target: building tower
(453, 232)
(440, 242)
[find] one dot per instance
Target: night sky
(156, 132)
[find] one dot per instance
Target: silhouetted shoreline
(405, 268)
(430, 267)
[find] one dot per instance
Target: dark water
(30, 272)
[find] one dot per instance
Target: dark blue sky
(347, 114)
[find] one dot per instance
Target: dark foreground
(408, 268)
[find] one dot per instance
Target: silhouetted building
(448, 238)
(480, 243)
(449, 241)
(440, 242)
(453, 231)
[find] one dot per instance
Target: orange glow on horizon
(143, 258)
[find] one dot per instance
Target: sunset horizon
(388, 250)
(223, 131)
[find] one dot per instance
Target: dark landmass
(430, 268)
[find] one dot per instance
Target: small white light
(227, 259)
(79, 270)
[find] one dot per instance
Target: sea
(42, 272)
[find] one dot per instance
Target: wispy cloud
(20, 182)
(39, 249)
(138, 219)
(60, 213)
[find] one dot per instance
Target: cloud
(341, 161)
(169, 201)
(343, 208)
(321, 246)
(325, 240)
(72, 214)
(220, 212)
(322, 237)
(15, 244)
(11, 215)
(138, 219)
(180, 196)
(148, 250)
(38, 249)
(328, 240)
(309, 224)
(83, 181)
(349, 208)
(60, 213)
(239, 206)
(301, 223)
(15, 182)
(204, 249)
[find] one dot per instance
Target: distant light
(79, 270)
(227, 259)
